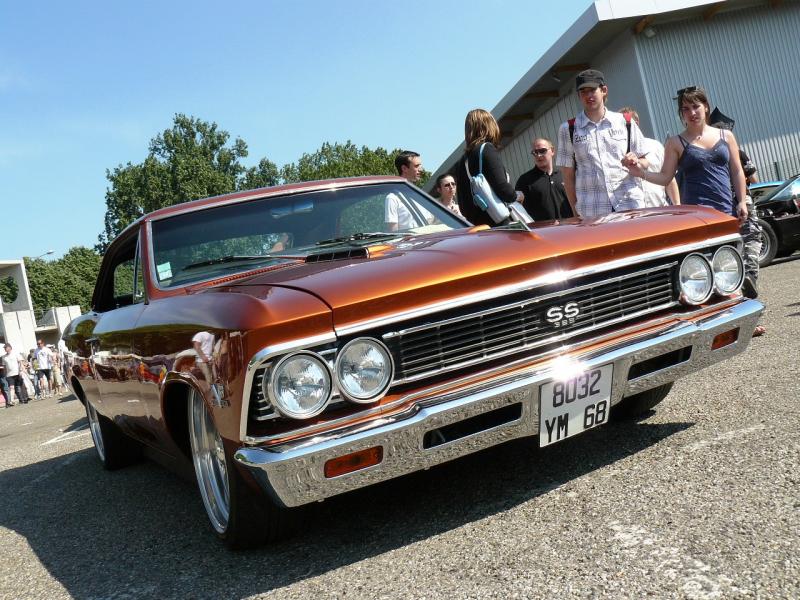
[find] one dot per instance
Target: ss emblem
(559, 316)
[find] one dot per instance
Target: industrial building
(745, 53)
(18, 324)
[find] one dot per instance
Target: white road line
(724, 437)
(69, 435)
(48, 473)
(23, 424)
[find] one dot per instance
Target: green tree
(191, 160)
(63, 282)
(8, 290)
(343, 160)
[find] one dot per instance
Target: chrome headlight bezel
(729, 290)
(339, 376)
(269, 384)
(706, 266)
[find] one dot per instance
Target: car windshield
(213, 242)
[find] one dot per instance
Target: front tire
(642, 403)
(769, 244)
(240, 516)
(114, 449)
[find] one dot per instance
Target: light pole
(49, 252)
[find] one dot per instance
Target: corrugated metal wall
(619, 65)
(748, 60)
(749, 63)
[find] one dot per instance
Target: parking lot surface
(700, 499)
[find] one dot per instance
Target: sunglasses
(539, 151)
(686, 90)
(453, 184)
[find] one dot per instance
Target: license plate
(568, 407)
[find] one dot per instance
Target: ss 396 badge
(560, 316)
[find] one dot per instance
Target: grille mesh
(497, 332)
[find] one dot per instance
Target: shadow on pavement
(142, 531)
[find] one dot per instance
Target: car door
(117, 309)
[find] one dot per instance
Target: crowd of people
(603, 163)
(37, 375)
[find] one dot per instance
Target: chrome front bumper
(294, 474)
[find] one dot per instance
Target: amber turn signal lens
(725, 339)
(353, 462)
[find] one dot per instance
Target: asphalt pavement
(698, 500)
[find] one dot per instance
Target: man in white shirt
(595, 179)
(397, 215)
(44, 360)
(654, 194)
(13, 364)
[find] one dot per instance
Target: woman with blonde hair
(482, 137)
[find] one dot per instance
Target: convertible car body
(291, 347)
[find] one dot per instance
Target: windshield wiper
(369, 235)
(235, 258)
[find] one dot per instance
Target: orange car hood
(423, 271)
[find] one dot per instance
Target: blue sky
(85, 85)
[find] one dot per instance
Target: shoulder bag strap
(480, 159)
(627, 116)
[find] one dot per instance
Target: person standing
(750, 229)
(543, 186)
(445, 190)
(481, 131)
(655, 195)
(397, 215)
(13, 363)
(707, 157)
(44, 358)
(591, 155)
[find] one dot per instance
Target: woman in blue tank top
(707, 157)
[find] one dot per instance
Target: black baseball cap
(590, 78)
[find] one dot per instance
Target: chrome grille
(468, 339)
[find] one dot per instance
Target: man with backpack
(591, 151)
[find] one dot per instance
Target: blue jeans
(4, 388)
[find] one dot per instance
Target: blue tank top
(705, 177)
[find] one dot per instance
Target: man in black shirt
(543, 186)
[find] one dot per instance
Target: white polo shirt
(396, 211)
(602, 184)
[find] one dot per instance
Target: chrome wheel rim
(94, 427)
(208, 456)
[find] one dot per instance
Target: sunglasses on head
(539, 151)
(691, 88)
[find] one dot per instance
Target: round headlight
(300, 385)
(696, 279)
(364, 370)
(728, 270)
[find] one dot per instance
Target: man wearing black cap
(590, 156)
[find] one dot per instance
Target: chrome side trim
(293, 474)
(530, 284)
(265, 354)
(331, 427)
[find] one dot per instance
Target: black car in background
(779, 217)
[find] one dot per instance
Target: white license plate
(568, 407)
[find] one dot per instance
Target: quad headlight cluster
(301, 384)
(698, 277)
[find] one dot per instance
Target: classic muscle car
(291, 348)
